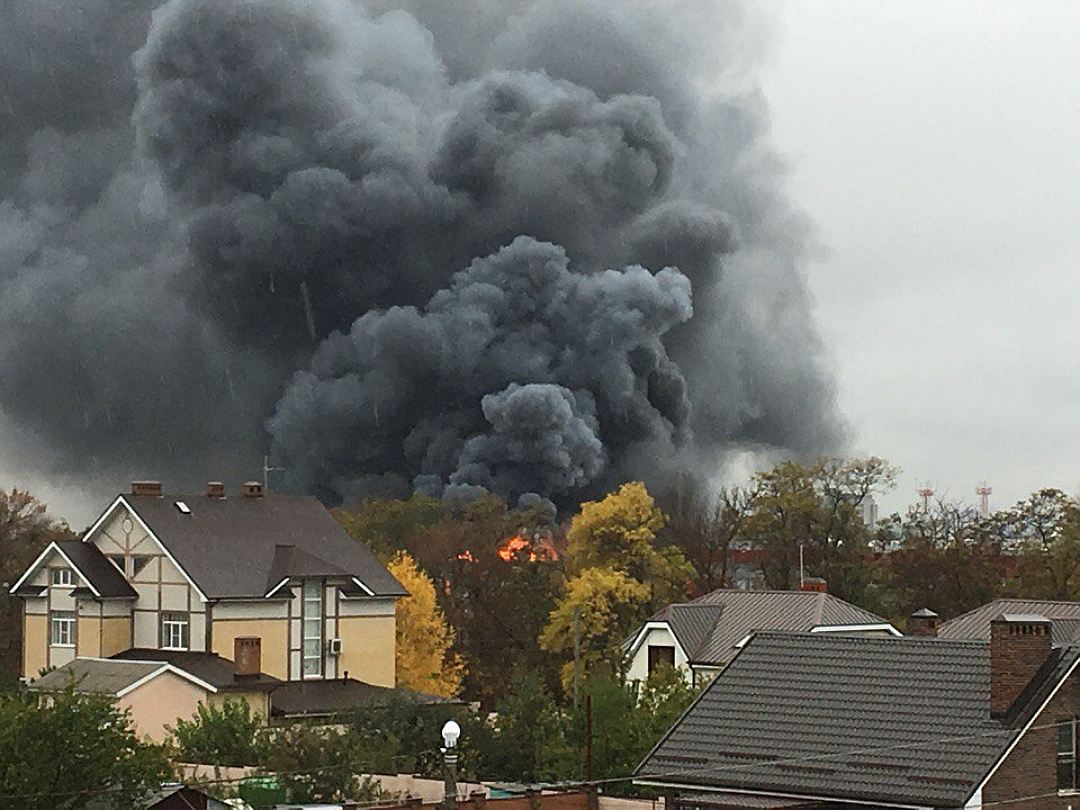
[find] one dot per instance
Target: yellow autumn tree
(424, 661)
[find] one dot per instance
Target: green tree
(1043, 531)
(817, 506)
(386, 525)
(229, 734)
(322, 764)
(528, 732)
(25, 530)
(74, 750)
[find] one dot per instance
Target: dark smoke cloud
(234, 225)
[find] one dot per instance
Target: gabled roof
(229, 546)
(975, 624)
(104, 676)
(901, 721)
(710, 627)
(207, 666)
(102, 577)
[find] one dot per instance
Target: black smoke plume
(533, 246)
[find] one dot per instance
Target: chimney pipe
(1019, 645)
(923, 623)
(814, 584)
(247, 655)
(252, 489)
(215, 489)
(152, 488)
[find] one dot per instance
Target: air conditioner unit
(334, 646)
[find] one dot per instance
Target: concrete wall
(160, 702)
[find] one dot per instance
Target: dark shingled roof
(842, 717)
(97, 569)
(338, 696)
(235, 546)
(709, 627)
(975, 624)
(206, 666)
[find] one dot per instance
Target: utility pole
(802, 569)
(926, 493)
(588, 738)
(984, 492)
(267, 469)
(577, 654)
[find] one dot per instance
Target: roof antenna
(267, 469)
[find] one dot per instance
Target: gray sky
(936, 147)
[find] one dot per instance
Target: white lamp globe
(450, 733)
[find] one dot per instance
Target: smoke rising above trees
(533, 247)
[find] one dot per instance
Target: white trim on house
(162, 666)
(37, 564)
(655, 625)
(990, 774)
(120, 499)
(807, 797)
(361, 586)
(857, 628)
(275, 589)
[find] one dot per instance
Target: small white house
(701, 637)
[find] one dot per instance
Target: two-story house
(195, 573)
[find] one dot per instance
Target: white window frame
(62, 628)
(62, 577)
(311, 610)
(179, 623)
(1068, 756)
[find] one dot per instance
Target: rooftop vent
(814, 584)
(183, 507)
(252, 489)
(215, 489)
(152, 488)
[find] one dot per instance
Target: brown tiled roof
(975, 624)
(902, 720)
(96, 568)
(709, 627)
(230, 546)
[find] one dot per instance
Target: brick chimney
(215, 489)
(815, 584)
(1019, 644)
(152, 488)
(247, 655)
(252, 489)
(923, 623)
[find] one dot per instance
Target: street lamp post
(450, 733)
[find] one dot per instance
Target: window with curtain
(62, 628)
(1066, 758)
(174, 631)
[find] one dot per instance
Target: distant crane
(926, 493)
(983, 491)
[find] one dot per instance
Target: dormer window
(63, 576)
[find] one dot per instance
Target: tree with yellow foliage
(618, 576)
(424, 661)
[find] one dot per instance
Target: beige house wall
(160, 585)
(258, 701)
(367, 648)
(35, 644)
(160, 702)
(275, 641)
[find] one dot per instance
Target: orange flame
(538, 550)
